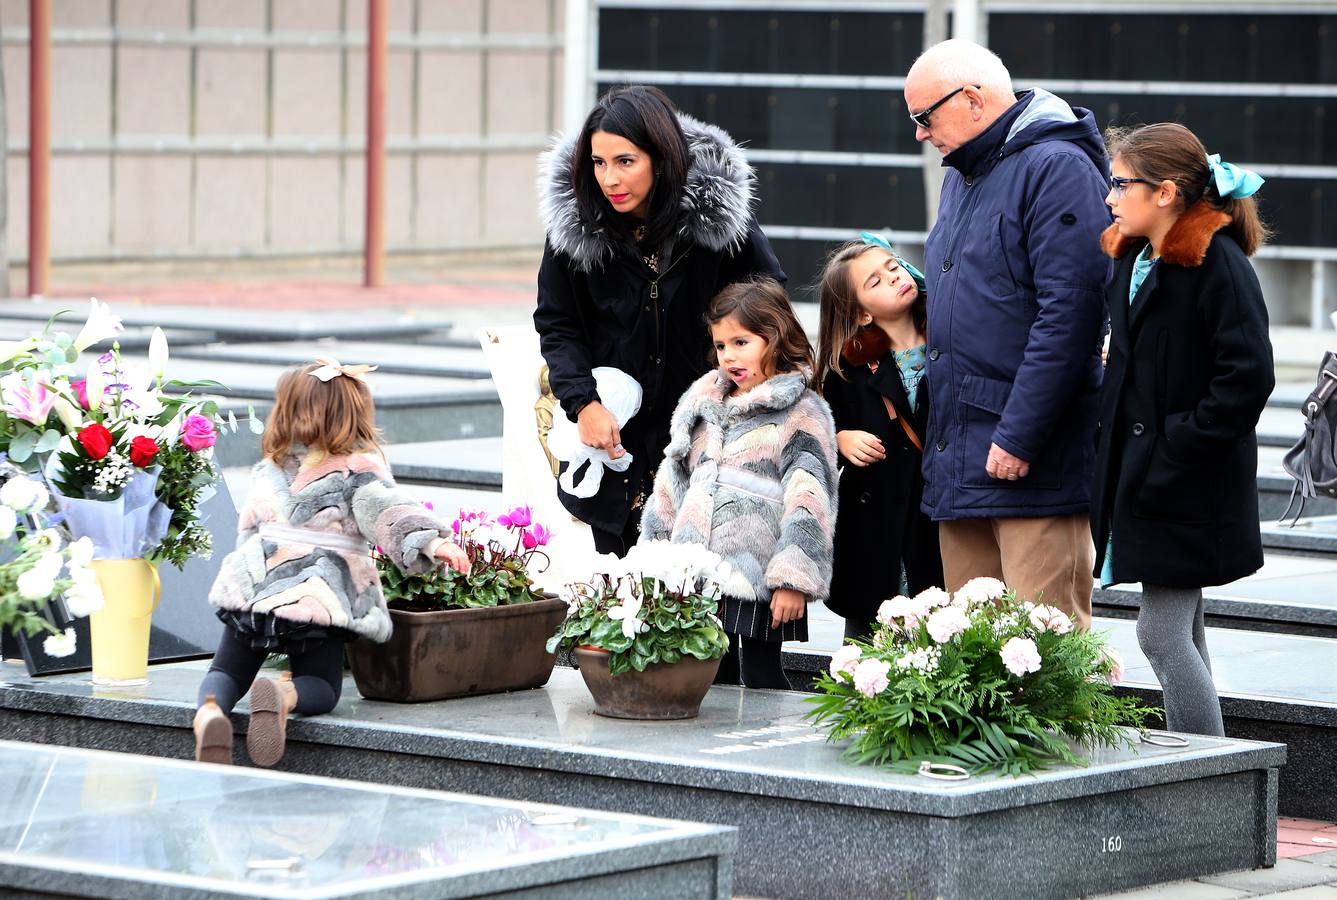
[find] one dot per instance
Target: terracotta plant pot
(662, 691)
(458, 653)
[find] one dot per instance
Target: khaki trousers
(1047, 559)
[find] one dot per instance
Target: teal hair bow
(1232, 181)
(877, 240)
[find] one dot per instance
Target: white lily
(94, 385)
(69, 414)
(101, 325)
(158, 353)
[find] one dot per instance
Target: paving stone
(1175, 890)
(1287, 874)
(1319, 892)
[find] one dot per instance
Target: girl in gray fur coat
(302, 580)
(750, 472)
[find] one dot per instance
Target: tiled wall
(178, 130)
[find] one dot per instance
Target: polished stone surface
(475, 462)
(1311, 534)
(135, 826)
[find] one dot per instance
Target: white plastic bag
(621, 395)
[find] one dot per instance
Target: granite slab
(1311, 535)
(96, 824)
(751, 761)
(247, 324)
(389, 358)
(472, 462)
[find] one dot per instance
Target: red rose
(97, 440)
(142, 451)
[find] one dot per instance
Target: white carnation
(8, 520)
(59, 644)
(35, 584)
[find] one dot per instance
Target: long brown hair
(762, 307)
(335, 417)
(839, 302)
(1168, 151)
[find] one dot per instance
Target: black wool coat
(1190, 370)
(600, 304)
(879, 521)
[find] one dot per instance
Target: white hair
(958, 62)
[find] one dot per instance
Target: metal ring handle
(942, 771)
(1162, 739)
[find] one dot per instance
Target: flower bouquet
(652, 613)
(465, 633)
(981, 679)
(126, 454)
(500, 553)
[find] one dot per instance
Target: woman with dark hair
(648, 215)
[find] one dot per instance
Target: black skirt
(752, 619)
(274, 635)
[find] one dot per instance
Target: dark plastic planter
(458, 653)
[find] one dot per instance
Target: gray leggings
(1171, 634)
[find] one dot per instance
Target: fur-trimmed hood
(1185, 244)
(716, 207)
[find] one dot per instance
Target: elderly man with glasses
(1016, 283)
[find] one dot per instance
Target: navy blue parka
(1016, 280)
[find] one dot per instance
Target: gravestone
(89, 823)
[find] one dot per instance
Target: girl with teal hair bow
(1174, 501)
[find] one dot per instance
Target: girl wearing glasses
(1175, 500)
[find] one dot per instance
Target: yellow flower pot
(120, 629)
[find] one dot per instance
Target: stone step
(750, 761)
(133, 339)
(390, 358)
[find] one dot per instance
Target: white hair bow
(331, 368)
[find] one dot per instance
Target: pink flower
(427, 504)
(979, 591)
(81, 391)
(535, 537)
(891, 610)
(31, 403)
(197, 433)
(1049, 618)
(518, 517)
(1116, 672)
(845, 660)
(947, 622)
(1020, 656)
(870, 677)
(931, 598)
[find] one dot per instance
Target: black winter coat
(599, 304)
(879, 522)
(1190, 370)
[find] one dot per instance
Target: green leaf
(22, 446)
(49, 440)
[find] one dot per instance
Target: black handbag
(1312, 462)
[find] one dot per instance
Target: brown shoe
(213, 733)
(272, 699)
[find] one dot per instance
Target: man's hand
(1004, 465)
(598, 429)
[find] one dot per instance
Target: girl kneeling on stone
(302, 580)
(750, 471)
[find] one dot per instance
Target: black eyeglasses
(1120, 183)
(921, 118)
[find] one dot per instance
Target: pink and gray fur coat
(752, 477)
(351, 496)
